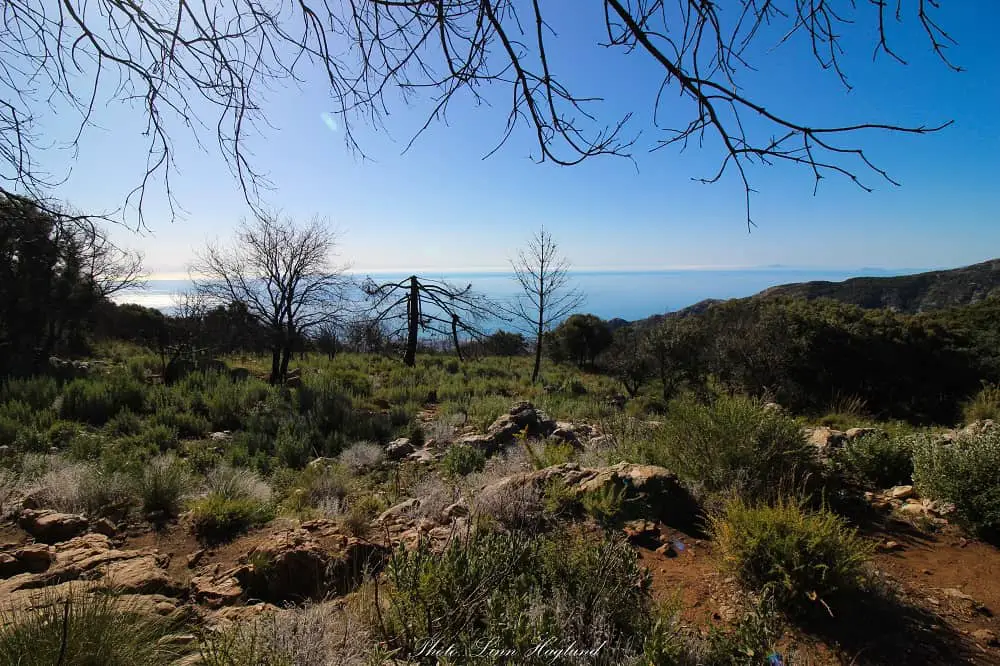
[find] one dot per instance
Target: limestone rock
(901, 492)
(854, 433)
(824, 437)
(399, 449)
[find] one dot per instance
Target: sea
(628, 295)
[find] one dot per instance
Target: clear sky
(442, 206)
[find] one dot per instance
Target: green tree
(580, 339)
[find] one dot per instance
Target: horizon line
(184, 276)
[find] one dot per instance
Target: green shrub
(801, 558)
(605, 505)
(732, 443)
(124, 423)
(186, 424)
(878, 460)
(558, 498)
(217, 517)
(98, 628)
(984, 405)
(96, 401)
(163, 485)
(462, 459)
(416, 435)
(965, 473)
(37, 392)
(515, 590)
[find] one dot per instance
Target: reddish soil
(946, 588)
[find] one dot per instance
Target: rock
(399, 449)
(637, 530)
(901, 492)
(913, 509)
(51, 526)
(986, 637)
(398, 511)
(854, 433)
(823, 437)
(649, 492)
(222, 436)
(194, 558)
(955, 593)
(86, 563)
(977, 428)
(298, 565)
(890, 546)
(773, 407)
(456, 510)
(423, 456)
(321, 462)
(216, 590)
(104, 526)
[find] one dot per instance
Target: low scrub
(86, 629)
(984, 405)
(462, 459)
(877, 460)
(163, 485)
(802, 559)
(732, 443)
(965, 473)
(97, 401)
(513, 592)
(217, 517)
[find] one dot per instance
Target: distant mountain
(922, 292)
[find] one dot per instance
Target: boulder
(823, 437)
(399, 449)
(854, 433)
(216, 589)
(104, 526)
(648, 491)
(51, 526)
(901, 492)
(977, 428)
(398, 511)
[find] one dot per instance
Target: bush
(320, 489)
(965, 473)
(99, 629)
(462, 459)
(513, 591)
(237, 483)
(219, 517)
(186, 424)
(362, 456)
(605, 505)
(877, 460)
(37, 392)
(96, 401)
(551, 453)
(163, 485)
(985, 405)
(801, 558)
(732, 443)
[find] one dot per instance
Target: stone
(35, 558)
(986, 637)
(977, 428)
(901, 492)
(216, 590)
(456, 510)
(890, 546)
(398, 511)
(637, 530)
(51, 526)
(104, 526)
(824, 437)
(222, 436)
(852, 434)
(194, 558)
(399, 449)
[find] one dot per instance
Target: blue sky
(441, 206)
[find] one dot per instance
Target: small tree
(676, 350)
(627, 360)
(433, 306)
(580, 339)
(281, 273)
(546, 297)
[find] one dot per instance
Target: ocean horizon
(609, 294)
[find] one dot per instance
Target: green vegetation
(732, 444)
(878, 460)
(462, 459)
(802, 559)
(965, 473)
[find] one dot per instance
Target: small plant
(416, 435)
(878, 460)
(217, 517)
(965, 473)
(163, 485)
(86, 628)
(462, 459)
(358, 519)
(550, 453)
(559, 500)
(803, 559)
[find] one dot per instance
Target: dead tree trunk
(413, 322)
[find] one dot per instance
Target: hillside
(921, 292)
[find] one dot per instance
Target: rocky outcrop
(648, 491)
(293, 565)
(522, 417)
(38, 573)
(399, 449)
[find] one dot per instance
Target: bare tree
(433, 306)
(546, 296)
(205, 67)
(281, 272)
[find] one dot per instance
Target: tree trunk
(275, 365)
(413, 321)
(538, 347)
(454, 337)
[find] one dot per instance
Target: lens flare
(329, 121)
